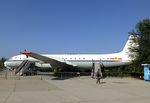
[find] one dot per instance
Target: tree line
(141, 32)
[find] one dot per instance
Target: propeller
(25, 51)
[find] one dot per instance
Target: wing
(55, 62)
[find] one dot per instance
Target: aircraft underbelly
(103, 64)
(114, 64)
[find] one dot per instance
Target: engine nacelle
(43, 65)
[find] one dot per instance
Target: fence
(10, 75)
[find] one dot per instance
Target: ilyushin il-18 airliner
(74, 60)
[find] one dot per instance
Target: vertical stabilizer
(131, 43)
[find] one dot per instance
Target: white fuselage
(80, 60)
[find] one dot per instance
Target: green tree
(142, 31)
(2, 60)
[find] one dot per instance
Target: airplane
(74, 60)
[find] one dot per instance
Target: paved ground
(75, 90)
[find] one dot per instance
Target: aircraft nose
(5, 64)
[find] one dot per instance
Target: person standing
(98, 76)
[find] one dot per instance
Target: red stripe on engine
(25, 52)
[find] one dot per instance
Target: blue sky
(68, 26)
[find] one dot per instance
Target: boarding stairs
(96, 66)
(23, 67)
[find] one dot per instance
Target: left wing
(55, 62)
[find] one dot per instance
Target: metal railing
(10, 75)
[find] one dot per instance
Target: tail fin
(131, 43)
